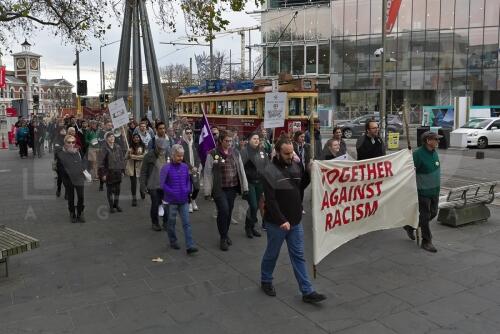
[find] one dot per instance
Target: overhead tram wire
(275, 43)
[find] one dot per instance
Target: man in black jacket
(282, 181)
(370, 145)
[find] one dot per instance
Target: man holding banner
(282, 183)
(428, 170)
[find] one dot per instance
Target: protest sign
(274, 111)
(118, 113)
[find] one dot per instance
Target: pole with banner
(119, 116)
(274, 109)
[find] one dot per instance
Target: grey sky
(57, 59)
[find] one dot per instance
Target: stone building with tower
(30, 94)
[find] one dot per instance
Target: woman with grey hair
(176, 184)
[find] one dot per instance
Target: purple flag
(206, 141)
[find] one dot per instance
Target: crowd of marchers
(165, 163)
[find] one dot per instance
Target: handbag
(87, 175)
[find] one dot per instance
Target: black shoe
(118, 209)
(410, 231)
(428, 246)
(248, 233)
(143, 195)
(134, 202)
(256, 233)
(229, 241)
(58, 193)
(191, 250)
(313, 297)
(175, 245)
(155, 227)
(223, 245)
(81, 218)
(73, 218)
(268, 289)
(112, 210)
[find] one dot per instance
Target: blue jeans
(295, 243)
(183, 210)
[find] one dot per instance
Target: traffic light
(81, 87)
(106, 98)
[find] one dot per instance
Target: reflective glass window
(446, 49)
(402, 58)
(490, 79)
(338, 18)
(363, 19)
(349, 81)
(417, 50)
(350, 17)
(350, 62)
(252, 107)
(460, 52)
(475, 48)
(417, 79)
(323, 26)
(244, 107)
(477, 13)
(447, 14)
(363, 52)
(474, 79)
(461, 13)
(404, 16)
(376, 17)
(491, 14)
(459, 80)
(336, 81)
(419, 14)
(298, 59)
(272, 61)
(433, 12)
(236, 107)
(285, 59)
(311, 23)
(444, 81)
(431, 79)
(324, 59)
(311, 59)
(432, 50)
(403, 79)
(376, 42)
(294, 106)
(337, 55)
(490, 51)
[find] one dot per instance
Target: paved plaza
(99, 277)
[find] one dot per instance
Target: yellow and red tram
(243, 109)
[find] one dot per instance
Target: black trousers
(225, 204)
(70, 191)
(113, 194)
(133, 185)
(428, 209)
(23, 149)
(156, 197)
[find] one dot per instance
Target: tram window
(243, 107)
(294, 107)
(252, 108)
(184, 108)
(308, 105)
(220, 107)
(236, 107)
(228, 106)
(195, 107)
(190, 107)
(212, 107)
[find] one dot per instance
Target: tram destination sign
(274, 112)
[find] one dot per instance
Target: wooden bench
(466, 204)
(12, 243)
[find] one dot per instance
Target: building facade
(437, 50)
(26, 90)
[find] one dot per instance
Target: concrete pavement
(98, 277)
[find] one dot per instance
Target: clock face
(21, 63)
(34, 64)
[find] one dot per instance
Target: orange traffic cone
(4, 144)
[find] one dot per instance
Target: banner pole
(124, 134)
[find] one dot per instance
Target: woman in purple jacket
(176, 184)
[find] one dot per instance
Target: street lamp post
(382, 75)
(101, 65)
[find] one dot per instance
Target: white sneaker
(303, 212)
(190, 207)
(195, 207)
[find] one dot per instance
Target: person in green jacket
(428, 170)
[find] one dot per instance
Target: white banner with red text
(352, 198)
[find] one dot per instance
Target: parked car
(481, 132)
(356, 127)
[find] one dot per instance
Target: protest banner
(351, 198)
(274, 110)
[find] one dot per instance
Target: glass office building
(438, 49)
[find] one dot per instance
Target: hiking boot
(313, 297)
(268, 289)
(410, 231)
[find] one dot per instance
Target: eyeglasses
(70, 142)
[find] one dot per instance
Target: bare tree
(203, 65)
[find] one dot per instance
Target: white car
(481, 132)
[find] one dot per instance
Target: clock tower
(27, 68)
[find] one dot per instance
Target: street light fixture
(101, 65)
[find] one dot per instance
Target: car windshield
(477, 123)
